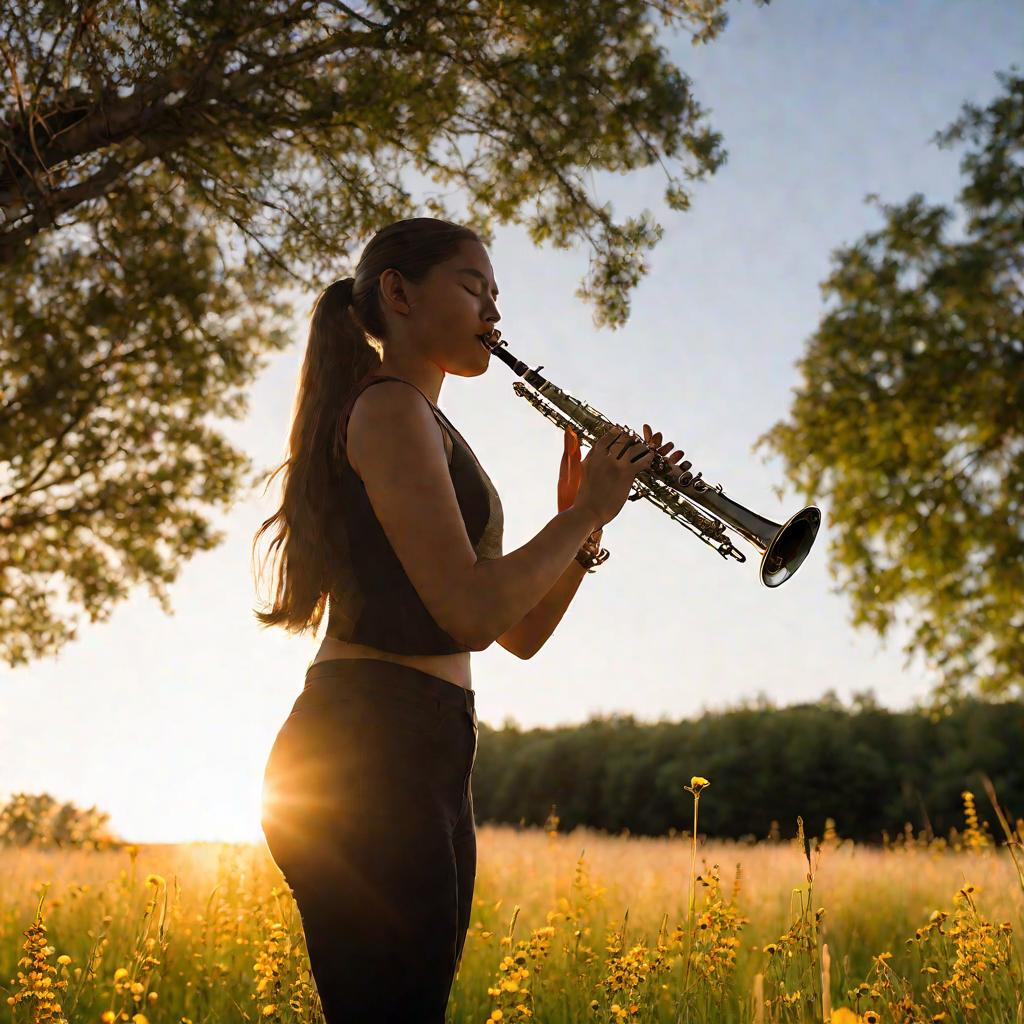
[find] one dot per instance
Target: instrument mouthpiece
(491, 339)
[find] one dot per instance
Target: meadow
(577, 926)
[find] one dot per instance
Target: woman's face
(452, 307)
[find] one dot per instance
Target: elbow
(473, 630)
(478, 641)
(469, 635)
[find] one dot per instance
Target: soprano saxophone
(676, 492)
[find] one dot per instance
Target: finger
(629, 444)
(643, 459)
(614, 436)
(636, 450)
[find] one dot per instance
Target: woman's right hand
(608, 471)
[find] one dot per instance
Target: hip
(367, 740)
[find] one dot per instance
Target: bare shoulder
(386, 412)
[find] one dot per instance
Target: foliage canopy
(168, 168)
(910, 415)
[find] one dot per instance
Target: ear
(393, 290)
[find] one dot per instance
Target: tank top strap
(368, 381)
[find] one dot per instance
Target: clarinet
(700, 507)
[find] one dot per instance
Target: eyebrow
(476, 273)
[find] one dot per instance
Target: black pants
(368, 812)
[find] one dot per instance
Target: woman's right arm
(396, 442)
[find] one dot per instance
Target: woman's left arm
(529, 635)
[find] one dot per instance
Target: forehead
(471, 254)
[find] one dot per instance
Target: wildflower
(39, 984)
(697, 783)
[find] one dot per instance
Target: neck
(427, 376)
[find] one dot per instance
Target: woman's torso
(455, 667)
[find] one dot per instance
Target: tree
(38, 819)
(910, 415)
(168, 168)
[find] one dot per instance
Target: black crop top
(378, 605)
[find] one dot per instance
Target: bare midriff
(452, 667)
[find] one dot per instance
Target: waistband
(374, 676)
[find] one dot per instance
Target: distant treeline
(868, 768)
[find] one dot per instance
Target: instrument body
(704, 509)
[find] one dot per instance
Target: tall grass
(575, 926)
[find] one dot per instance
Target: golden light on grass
(597, 931)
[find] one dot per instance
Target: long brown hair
(347, 333)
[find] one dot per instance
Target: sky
(165, 722)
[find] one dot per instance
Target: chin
(479, 366)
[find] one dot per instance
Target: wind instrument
(678, 493)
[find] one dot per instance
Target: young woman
(368, 804)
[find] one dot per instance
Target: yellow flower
(870, 1017)
(108, 1016)
(844, 1015)
(698, 782)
